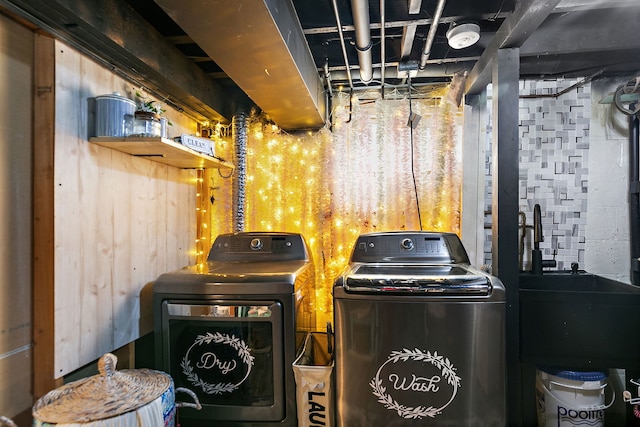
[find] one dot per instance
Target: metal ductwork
(260, 45)
(240, 132)
(361, 24)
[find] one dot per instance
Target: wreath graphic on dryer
(447, 371)
(244, 354)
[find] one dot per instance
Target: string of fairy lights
(333, 185)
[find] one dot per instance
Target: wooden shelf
(162, 150)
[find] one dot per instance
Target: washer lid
(444, 279)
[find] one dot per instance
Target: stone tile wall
(554, 155)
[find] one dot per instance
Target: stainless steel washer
(420, 335)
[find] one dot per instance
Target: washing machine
(229, 329)
(419, 335)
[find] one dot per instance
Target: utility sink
(578, 319)
(569, 281)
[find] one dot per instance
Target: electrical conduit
(426, 51)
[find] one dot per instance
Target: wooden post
(43, 210)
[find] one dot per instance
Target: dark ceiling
(319, 24)
(285, 56)
(575, 39)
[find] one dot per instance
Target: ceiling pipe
(361, 24)
(342, 44)
(426, 51)
(433, 71)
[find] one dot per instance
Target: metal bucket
(114, 115)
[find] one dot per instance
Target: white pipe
(361, 25)
(344, 48)
(426, 51)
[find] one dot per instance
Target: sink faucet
(537, 227)
(536, 254)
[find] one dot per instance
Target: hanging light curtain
(333, 186)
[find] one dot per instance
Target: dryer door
(224, 351)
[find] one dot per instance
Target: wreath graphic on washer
(446, 368)
(244, 353)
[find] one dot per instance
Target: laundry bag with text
(313, 371)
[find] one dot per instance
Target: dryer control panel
(258, 246)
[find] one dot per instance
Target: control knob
(407, 244)
(256, 244)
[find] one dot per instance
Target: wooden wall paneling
(125, 233)
(159, 230)
(72, 331)
(176, 246)
(16, 62)
(112, 228)
(16, 146)
(153, 210)
(83, 295)
(181, 215)
(172, 224)
(43, 210)
(99, 287)
(144, 206)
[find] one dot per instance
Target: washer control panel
(409, 246)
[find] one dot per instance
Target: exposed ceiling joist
(414, 6)
(409, 30)
(408, 35)
(514, 31)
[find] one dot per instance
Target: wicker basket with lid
(6, 422)
(109, 394)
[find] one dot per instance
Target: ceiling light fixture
(463, 35)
